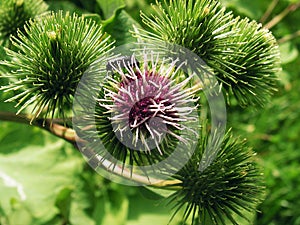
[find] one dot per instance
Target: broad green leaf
(119, 28)
(109, 8)
(250, 8)
(65, 6)
(63, 201)
(90, 5)
(19, 215)
(149, 211)
(31, 180)
(154, 193)
(114, 208)
(15, 135)
(288, 52)
(93, 16)
(98, 203)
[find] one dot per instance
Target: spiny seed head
(243, 56)
(253, 71)
(147, 105)
(53, 53)
(15, 13)
(200, 26)
(230, 184)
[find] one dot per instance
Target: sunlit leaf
(31, 178)
(289, 52)
(120, 28)
(109, 8)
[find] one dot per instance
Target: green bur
(53, 53)
(243, 56)
(223, 189)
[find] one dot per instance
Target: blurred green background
(45, 181)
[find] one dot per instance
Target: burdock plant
(135, 110)
(140, 123)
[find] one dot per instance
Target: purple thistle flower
(149, 101)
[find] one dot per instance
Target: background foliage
(43, 180)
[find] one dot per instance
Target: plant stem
(281, 15)
(12, 117)
(168, 184)
(289, 37)
(54, 128)
(69, 135)
(269, 11)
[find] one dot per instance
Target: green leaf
(65, 6)
(63, 201)
(119, 28)
(148, 212)
(251, 8)
(288, 52)
(98, 203)
(114, 205)
(154, 193)
(93, 16)
(32, 179)
(110, 8)
(15, 135)
(20, 214)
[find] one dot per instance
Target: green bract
(228, 185)
(243, 56)
(53, 53)
(15, 13)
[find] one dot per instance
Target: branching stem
(289, 37)
(269, 11)
(291, 8)
(54, 128)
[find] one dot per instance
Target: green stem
(282, 15)
(48, 125)
(168, 184)
(289, 37)
(269, 11)
(69, 135)
(11, 117)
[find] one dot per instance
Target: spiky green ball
(53, 53)
(200, 26)
(252, 76)
(243, 56)
(228, 185)
(15, 13)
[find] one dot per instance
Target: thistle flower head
(140, 114)
(53, 53)
(148, 101)
(243, 55)
(222, 191)
(15, 13)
